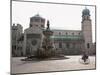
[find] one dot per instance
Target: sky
(66, 17)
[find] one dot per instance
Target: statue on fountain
(48, 25)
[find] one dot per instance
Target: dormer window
(59, 33)
(72, 33)
(66, 33)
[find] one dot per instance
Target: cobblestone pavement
(72, 63)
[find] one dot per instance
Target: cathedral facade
(68, 42)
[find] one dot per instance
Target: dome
(86, 12)
(37, 16)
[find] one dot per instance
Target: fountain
(47, 49)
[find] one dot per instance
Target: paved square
(72, 63)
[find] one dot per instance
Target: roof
(67, 37)
(65, 30)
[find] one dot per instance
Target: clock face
(34, 42)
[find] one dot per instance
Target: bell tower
(87, 30)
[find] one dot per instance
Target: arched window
(73, 45)
(67, 45)
(66, 33)
(78, 33)
(60, 45)
(36, 19)
(42, 20)
(42, 25)
(88, 45)
(30, 25)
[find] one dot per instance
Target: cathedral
(68, 42)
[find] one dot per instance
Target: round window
(34, 42)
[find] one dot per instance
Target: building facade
(66, 41)
(33, 35)
(17, 40)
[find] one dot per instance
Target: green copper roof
(67, 37)
(86, 12)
